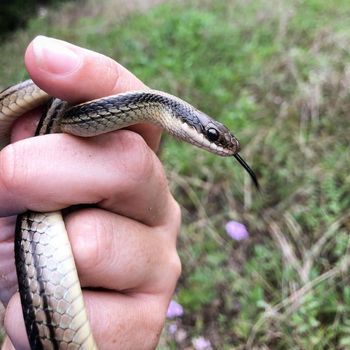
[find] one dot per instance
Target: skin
(126, 244)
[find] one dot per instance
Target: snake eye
(212, 134)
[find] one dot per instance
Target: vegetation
(278, 74)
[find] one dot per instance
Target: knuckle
(138, 159)
(86, 230)
(175, 265)
(115, 74)
(12, 171)
(108, 72)
(177, 216)
(173, 219)
(155, 325)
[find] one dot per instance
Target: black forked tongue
(248, 169)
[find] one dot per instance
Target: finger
(75, 75)
(14, 324)
(8, 279)
(25, 126)
(114, 252)
(113, 317)
(127, 322)
(7, 345)
(129, 179)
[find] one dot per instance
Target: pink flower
(201, 344)
(236, 230)
(172, 329)
(174, 310)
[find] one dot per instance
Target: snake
(51, 297)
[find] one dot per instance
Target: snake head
(221, 140)
(216, 137)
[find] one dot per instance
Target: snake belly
(51, 296)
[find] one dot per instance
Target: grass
(278, 74)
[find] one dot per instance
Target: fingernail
(54, 56)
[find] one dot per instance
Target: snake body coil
(51, 296)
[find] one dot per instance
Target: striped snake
(51, 297)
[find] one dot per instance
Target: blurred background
(265, 270)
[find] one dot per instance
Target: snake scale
(51, 297)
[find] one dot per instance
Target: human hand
(126, 245)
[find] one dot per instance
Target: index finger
(75, 74)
